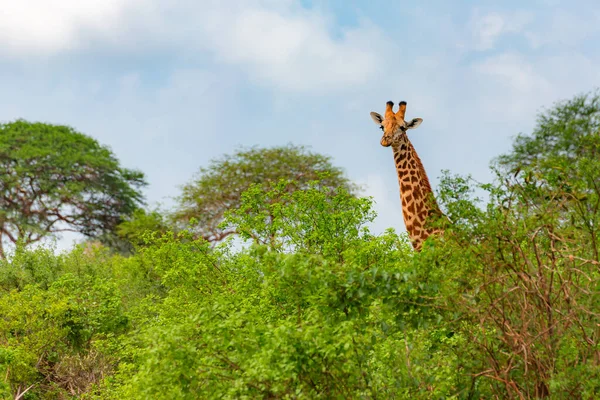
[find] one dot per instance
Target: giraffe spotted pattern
(418, 202)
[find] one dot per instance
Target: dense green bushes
(504, 305)
(183, 320)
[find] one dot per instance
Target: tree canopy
(219, 187)
(565, 136)
(560, 161)
(55, 179)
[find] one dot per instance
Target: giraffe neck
(418, 203)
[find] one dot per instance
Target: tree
(314, 220)
(569, 131)
(131, 233)
(219, 187)
(521, 274)
(54, 179)
(561, 160)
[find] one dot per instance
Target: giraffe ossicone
(418, 203)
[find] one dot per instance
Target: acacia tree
(54, 179)
(219, 187)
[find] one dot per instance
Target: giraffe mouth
(386, 142)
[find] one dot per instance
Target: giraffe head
(393, 125)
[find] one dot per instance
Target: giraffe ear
(377, 118)
(414, 123)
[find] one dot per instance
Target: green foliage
(52, 328)
(306, 322)
(64, 318)
(559, 163)
(313, 220)
(503, 305)
(56, 179)
(131, 233)
(523, 271)
(140, 223)
(219, 187)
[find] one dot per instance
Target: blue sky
(171, 84)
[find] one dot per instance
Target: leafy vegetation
(527, 277)
(55, 179)
(219, 187)
(504, 305)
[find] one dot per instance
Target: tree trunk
(2, 255)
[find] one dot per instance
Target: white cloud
(565, 29)
(554, 26)
(277, 43)
(511, 87)
(513, 71)
(487, 28)
(45, 27)
(294, 51)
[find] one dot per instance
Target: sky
(169, 85)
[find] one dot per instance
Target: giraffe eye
(381, 127)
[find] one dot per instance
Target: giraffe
(418, 202)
